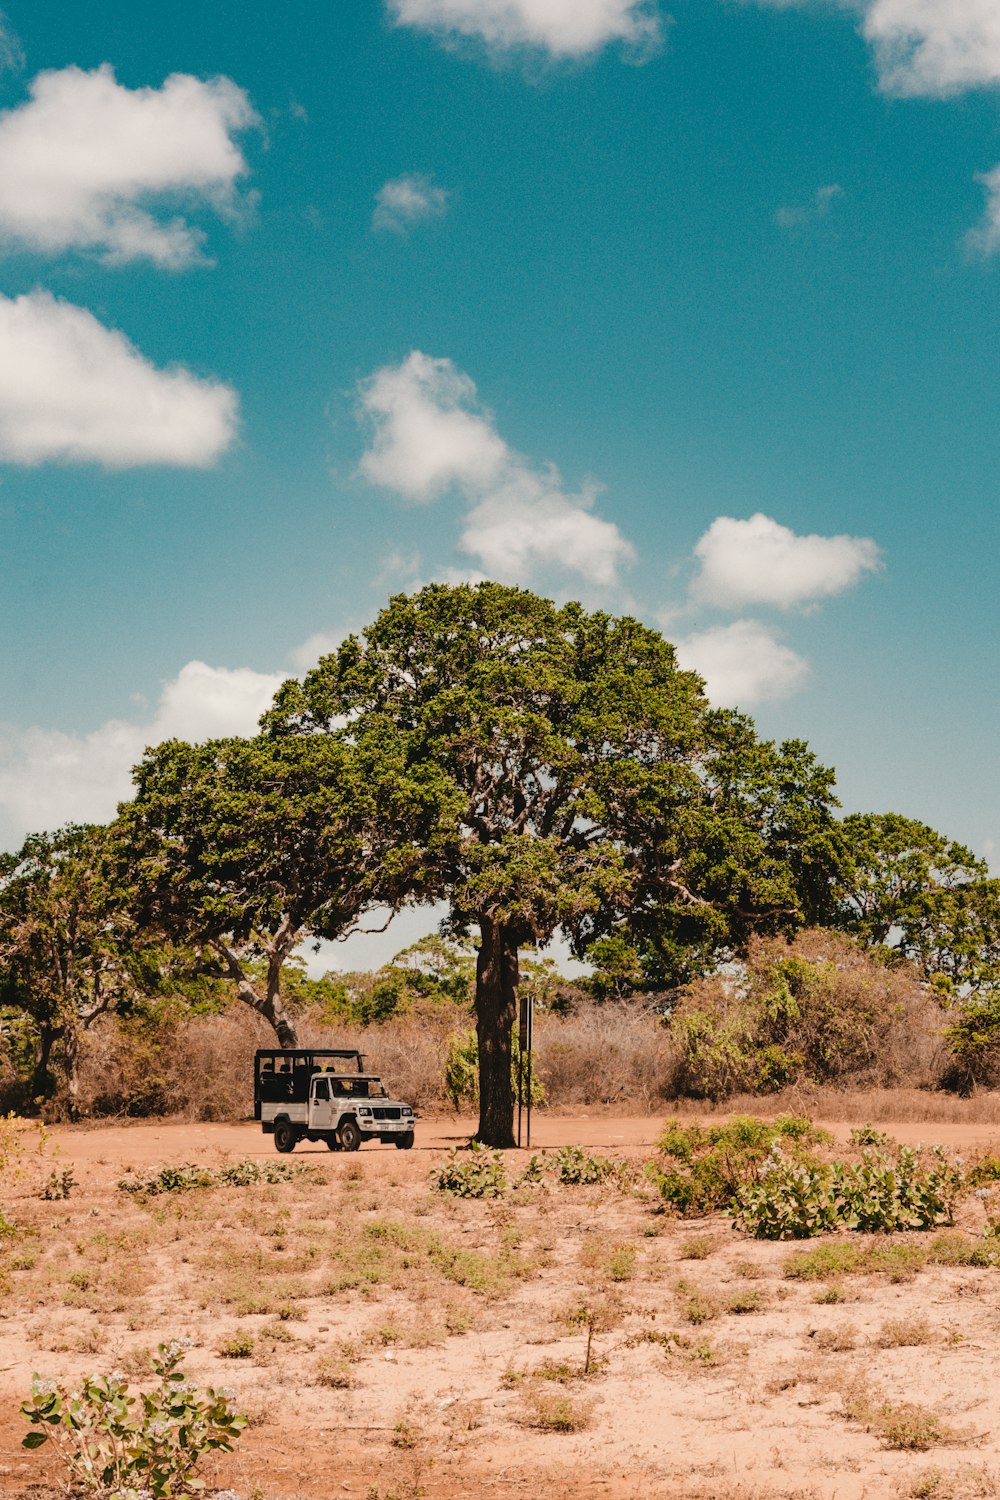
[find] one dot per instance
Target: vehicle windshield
(353, 1087)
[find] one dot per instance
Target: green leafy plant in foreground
(475, 1173)
(182, 1179)
(117, 1446)
(883, 1193)
(702, 1170)
(574, 1167)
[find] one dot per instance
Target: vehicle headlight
(407, 1111)
(364, 1110)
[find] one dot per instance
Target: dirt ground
(389, 1342)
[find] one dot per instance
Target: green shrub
(477, 1172)
(790, 1199)
(237, 1346)
(910, 1189)
(461, 1070)
(821, 1009)
(574, 1167)
(182, 1179)
(702, 1170)
(116, 1446)
(58, 1185)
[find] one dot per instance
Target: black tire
(332, 1144)
(405, 1142)
(285, 1137)
(350, 1136)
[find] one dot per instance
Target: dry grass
(342, 1301)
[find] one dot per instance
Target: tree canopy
(583, 783)
(69, 951)
(243, 848)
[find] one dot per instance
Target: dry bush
(605, 1054)
(816, 1024)
(816, 1010)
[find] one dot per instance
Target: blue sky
(692, 315)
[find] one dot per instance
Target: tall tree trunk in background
(269, 1006)
(41, 1078)
(496, 1009)
(71, 1045)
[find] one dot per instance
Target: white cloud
(48, 778)
(806, 213)
(530, 523)
(11, 51)
(84, 158)
(426, 437)
(74, 391)
(926, 47)
(305, 656)
(431, 435)
(985, 238)
(742, 663)
(562, 28)
(934, 46)
(407, 200)
(758, 561)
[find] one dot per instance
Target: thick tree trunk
(496, 1008)
(269, 1006)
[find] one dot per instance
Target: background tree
(69, 951)
(590, 787)
(894, 865)
(244, 848)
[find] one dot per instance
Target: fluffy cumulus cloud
(430, 435)
(408, 200)
(564, 29)
(934, 46)
(48, 778)
(86, 163)
(74, 391)
(742, 664)
(758, 561)
(926, 47)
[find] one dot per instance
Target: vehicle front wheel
(350, 1136)
(284, 1136)
(404, 1142)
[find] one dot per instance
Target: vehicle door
(322, 1114)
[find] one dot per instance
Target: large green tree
(245, 848)
(589, 788)
(922, 896)
(69, 951)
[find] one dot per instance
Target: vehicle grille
(387, 1114)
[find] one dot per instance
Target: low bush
(795, 1199)
(116, 1446)
(182, 1179)
(476, 1172)
(702, 1170)
(573, 1167)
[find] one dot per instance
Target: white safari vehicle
(315, 1095)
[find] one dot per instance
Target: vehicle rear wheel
(284, 1136)
(404, 1142)
(350, 1136)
